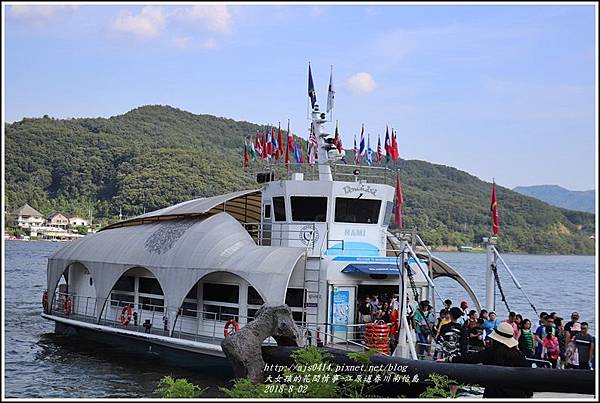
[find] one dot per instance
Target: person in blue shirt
(490, 324)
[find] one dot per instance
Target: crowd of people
(458, 330)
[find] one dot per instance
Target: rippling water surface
(41, 364)
(44, 365)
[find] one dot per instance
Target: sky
(500, 91)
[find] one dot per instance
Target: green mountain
(561, 197)
(154, 156)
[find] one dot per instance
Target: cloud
(37, 13)
(149, 23)
(361, 83)
(213, 18)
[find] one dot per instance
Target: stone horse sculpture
(244, 348)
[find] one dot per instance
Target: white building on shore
(26, 217)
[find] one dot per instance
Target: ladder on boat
(311, 301)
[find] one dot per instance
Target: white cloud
(361, 83)
(214, 18)
(149, 23)
(37, 13)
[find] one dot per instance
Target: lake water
(40, 364)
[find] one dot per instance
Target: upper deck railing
(340, 172)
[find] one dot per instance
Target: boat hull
(178, 353)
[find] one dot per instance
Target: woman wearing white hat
(503, 352)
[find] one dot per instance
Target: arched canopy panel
(244, 206)
(179, 253)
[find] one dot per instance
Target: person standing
(512, 321)
(423, 324)
(551, 349)
(453, 335)
(560, 335)
(569, 324)
(585, 346)
(491, 324)
(365, 310)
(526, 339)
(503, 352)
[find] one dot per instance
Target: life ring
(231, 322)
(45, 301)
(67, 305)
(126, 314)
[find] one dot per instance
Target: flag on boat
(264, 147)
(362, 149)
(289, 145)
(388, 145)
(369, 151)
(356, 154)
(245, 155)
(252, 149)
(395, 153)
(379, 151)
(300, 154)
(330, 92)
(399, 202)
(337, 140)
(494, 211)
(275, 144)
(258, 144)
(269, 143)
(280, 140)
(311, 89)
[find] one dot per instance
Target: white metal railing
(339, 172)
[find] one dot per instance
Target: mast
(318, 119)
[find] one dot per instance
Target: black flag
(311, 89)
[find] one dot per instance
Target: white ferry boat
(317, 239)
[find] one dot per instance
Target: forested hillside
(154, 156)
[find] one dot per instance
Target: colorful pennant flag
(330, 92)
(369, 151)
(362, 149)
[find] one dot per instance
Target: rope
(497, 278)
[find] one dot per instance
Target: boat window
(388, 212)
(293, 297)
(309, 208)
(150, 286)
(152, 304)
(189, 309)
(267, 211)
(279, 208)
(221, 292)
(254, 297)
(219, 312)
(120, 299)
(359, 211)
(125, 283)
(193, 292)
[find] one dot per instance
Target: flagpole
(330, 75)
